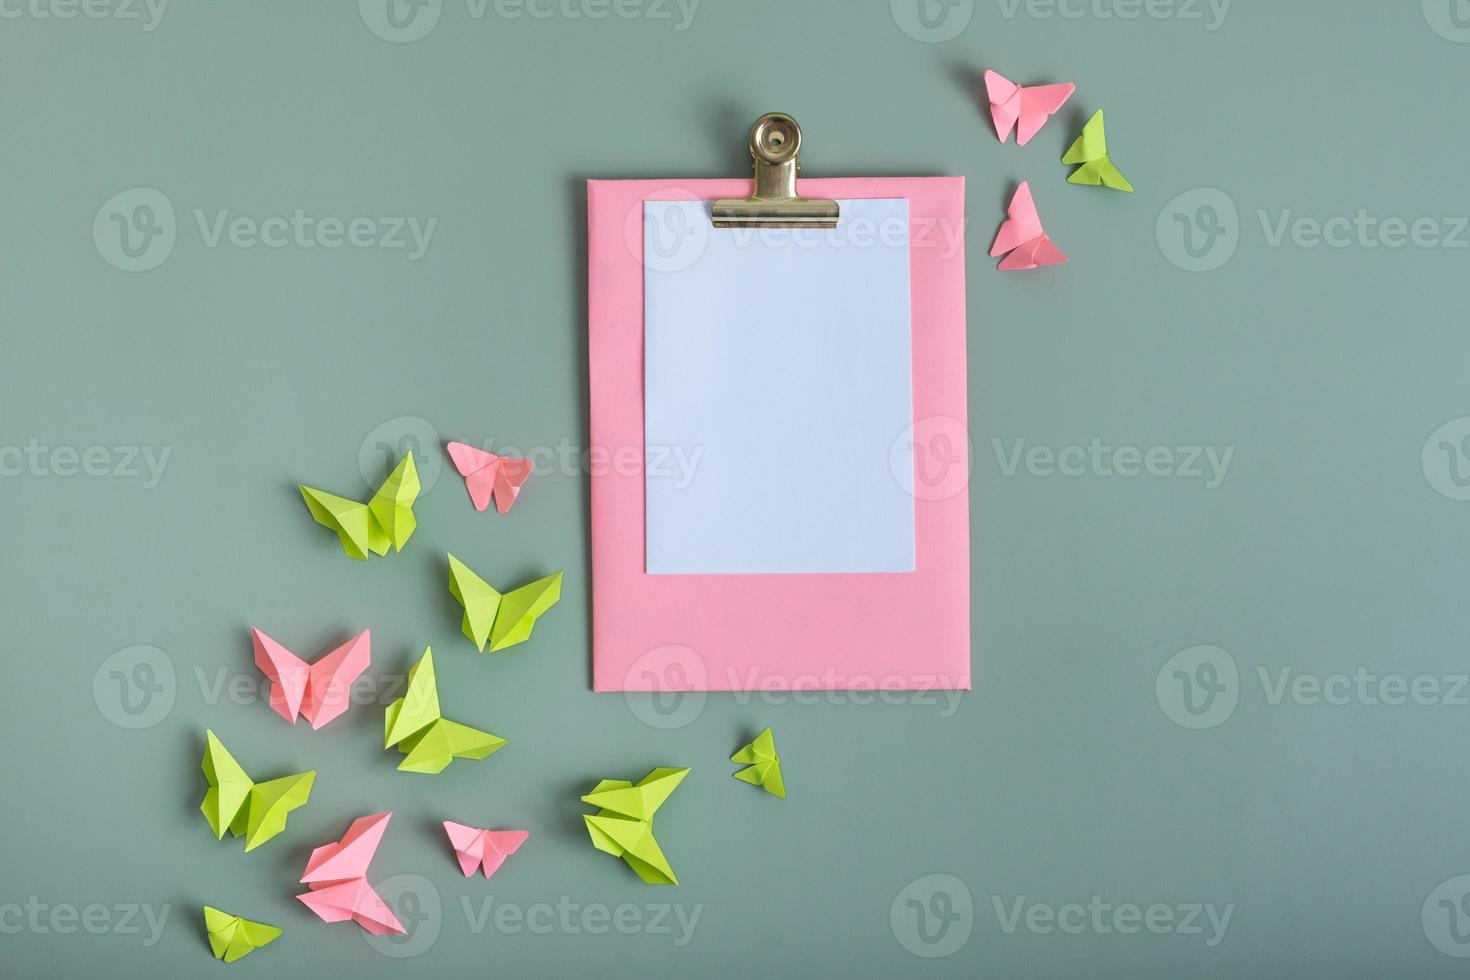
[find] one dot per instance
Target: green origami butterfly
(428, 740)
(236, 803)
(231, 937)
(1091, 151)
(386, 520)
(762, 765)
(623, 827)
(502, 620)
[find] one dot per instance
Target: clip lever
(775, 140)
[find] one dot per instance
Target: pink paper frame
(907, 631)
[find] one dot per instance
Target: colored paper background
(1334, 541)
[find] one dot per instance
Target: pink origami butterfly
(485, 473)
(475, 847)
(337, 874)
(1021, 235)
(319, 691)
(1026, 107)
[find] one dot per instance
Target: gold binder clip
(775, 140)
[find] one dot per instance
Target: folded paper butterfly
(428, 739)
(320, 691)
(1091, 151)
(1026, 107)
(486, 474)
(475, 847)
(624, 825)
(232, 937)
(1021, 235)
(237, 803)
(384, 521)
(337, 874)
(763, 765)
(500, 620)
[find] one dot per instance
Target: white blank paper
(777, 389)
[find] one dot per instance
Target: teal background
(1326, 548)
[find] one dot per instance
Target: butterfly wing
(1037, 104)
(288, 674)
(1005, 107)
(1091, 145)
(392, 505)
(1087, 175)
(478, 469)
(1037, 252)
(480, 600)
(509, 476)
(372, 913)
(419, 706)
(1112, 177)
(761, 749)
(329, 680)
(257, 934)
(221, 927)
(349, 857)
(639, 848)
(657, 787)
(1023, 224)
(352, 899)
(269, 804)
(470, 743)
(520, 608)
(352, 521)
(228, 786)
(468, 844)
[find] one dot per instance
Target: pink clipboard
(908, 631)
